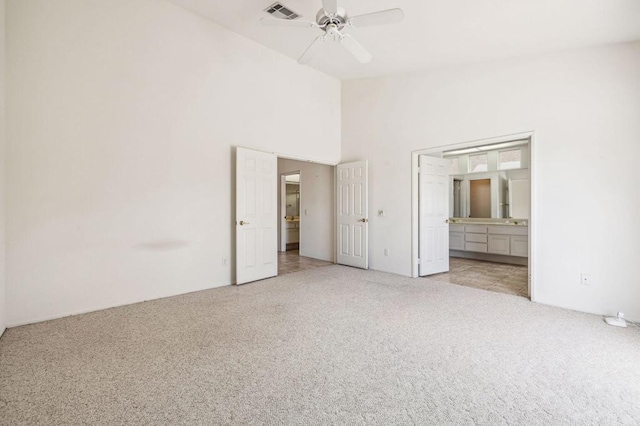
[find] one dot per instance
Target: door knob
(242, 222)
(446, 221)
(363, 220)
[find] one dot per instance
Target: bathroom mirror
(293, 199)
(490, 181)
(519, 198)
(480, 198)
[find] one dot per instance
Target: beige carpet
(331, 345)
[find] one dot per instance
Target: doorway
(330, 217)
(305, 225)
(488, 228)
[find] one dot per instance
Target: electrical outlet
(585, 279)
(225, 261)
(386, 252)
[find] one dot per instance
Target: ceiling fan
(332, 19)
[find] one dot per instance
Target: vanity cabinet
(456, 237)
(519, 246)
(475, 238)
(515, 240)
(499, 244)
(293, 232)
(506, 240)
(293, 235)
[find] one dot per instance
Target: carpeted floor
(331, 345)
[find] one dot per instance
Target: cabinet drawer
(476, 229)
(456, 240)
(499, 244)
(476, 238)
(482, 247)
(456, 228)
(508, 230)
(519, 246)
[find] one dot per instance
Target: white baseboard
(101, 308)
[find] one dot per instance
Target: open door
(434, 215)
(256, 215)
(352, 214)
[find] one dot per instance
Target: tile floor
(291, 261)
(498, 277)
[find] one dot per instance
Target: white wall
(2, 170)
(317, 198)
(582, 105)
(122, 120)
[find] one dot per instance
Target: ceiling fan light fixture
(332, 20)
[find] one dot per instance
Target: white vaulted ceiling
(436, 33)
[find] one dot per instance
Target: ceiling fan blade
(311, 50)
(377, 18)
(287, 23)
(356, 49)
(330, 7)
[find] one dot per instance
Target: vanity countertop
(505, 222)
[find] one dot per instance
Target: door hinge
(418, 262)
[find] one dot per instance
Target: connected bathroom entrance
(472, 214)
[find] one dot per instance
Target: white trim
(305, 159)
(439, 150)
(293, 157)
(533, 222)
(104, 308)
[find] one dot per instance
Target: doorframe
(283, 209)
(415, 237)
(332, 164)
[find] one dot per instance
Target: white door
(352, 215)
(256, 215)
(434, 215)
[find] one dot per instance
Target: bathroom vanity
(293, 230)
(501, 240)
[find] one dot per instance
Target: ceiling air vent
(280, 11)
